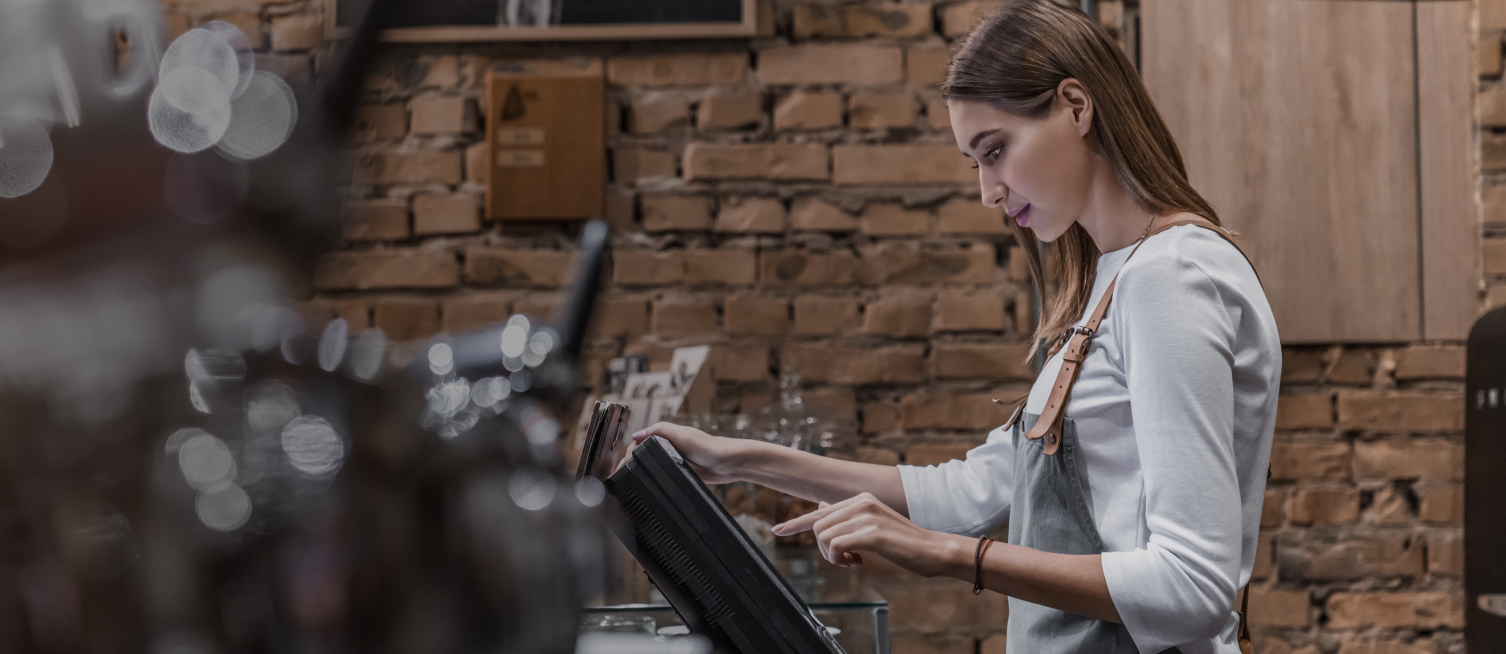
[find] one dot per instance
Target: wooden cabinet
(1336, 137)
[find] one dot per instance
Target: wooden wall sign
(546, 141)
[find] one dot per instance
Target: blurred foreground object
(188, 465)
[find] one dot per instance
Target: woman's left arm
(863, 524)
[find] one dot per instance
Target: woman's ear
(1074, 96)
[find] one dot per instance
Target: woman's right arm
(787, 470)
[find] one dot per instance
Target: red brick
(316, 314)
(433, 115)
(751, 216)
(375, 220)
(745, 315)
(968, 216)
(498, 267)
(1279, 608)
(895, 220)
(943, 605)
(969, 310)
(442, 71)
(1305, 411)
(355, 313)
(387, 269)
(729, 267)
(1494, 200)
(854, 64)
(1263, 559)
(880, 417)
(1395, 610)
(1316, 460)
(1019, 264)
(1389, 505)
(1426, 458)
(677, 318)
(1300, 366)
(887, 19)
(410, 167)
(891, 110)
(900, 164)
(1490, 56)
(538, 307)
(297, 32)
(475, 163)
(981, 361)
(938, 117)
(710, 161)
(1440, 503)
(729, 111)
(1446, 553)
(894, 364)
(1368, 645)
(925, 65)
(1430, 362)
(960, 18)
(1401, 411)
(840, 402)
(807, 269)
(817, 315)
(678, 70)
(1381, 556)
(407, 319)
(1353, 366)
(469, 312)
(808, 110)
(1273, 508)
(435, 213)
(622, 207)
(620, 316)
(816, 214)
(637, 165)
(646, 268)
(888, 264)
(1325, 505)
(380, 122)
(972, 412)
(930, 454)
(898, 314)
(1493, 108)
(675, 212)
(656, 114)
(877, 455)
(740, 363)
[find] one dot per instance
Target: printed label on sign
(520, 158)
(520, 136)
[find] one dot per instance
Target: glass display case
(857, 615)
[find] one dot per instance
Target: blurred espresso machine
(188, 465)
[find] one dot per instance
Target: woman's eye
(994, 153)
(974, 166)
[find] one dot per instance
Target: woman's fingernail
(777, 528)
(640, 435)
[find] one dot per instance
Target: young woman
(1132, 485)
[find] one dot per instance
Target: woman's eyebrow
(979, 137)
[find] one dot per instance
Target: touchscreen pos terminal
(711, 572)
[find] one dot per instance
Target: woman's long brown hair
(1014, 61)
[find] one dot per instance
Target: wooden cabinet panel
(1450, 213)
(1297, 120)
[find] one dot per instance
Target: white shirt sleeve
(1177, 337)
(970, 496)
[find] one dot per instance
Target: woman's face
(1038, 170)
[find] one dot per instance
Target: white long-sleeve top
(1174, 408)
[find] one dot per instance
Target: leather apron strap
(1075, 341)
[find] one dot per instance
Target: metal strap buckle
(1087, 340)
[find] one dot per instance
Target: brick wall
(797, 199)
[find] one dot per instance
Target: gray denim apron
(1052, 512)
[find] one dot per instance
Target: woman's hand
(864, 524)
(711, 457)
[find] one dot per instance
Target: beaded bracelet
(983, 543)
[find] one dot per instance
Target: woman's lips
(1023, 216)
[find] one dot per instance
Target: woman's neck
(1112, 218)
